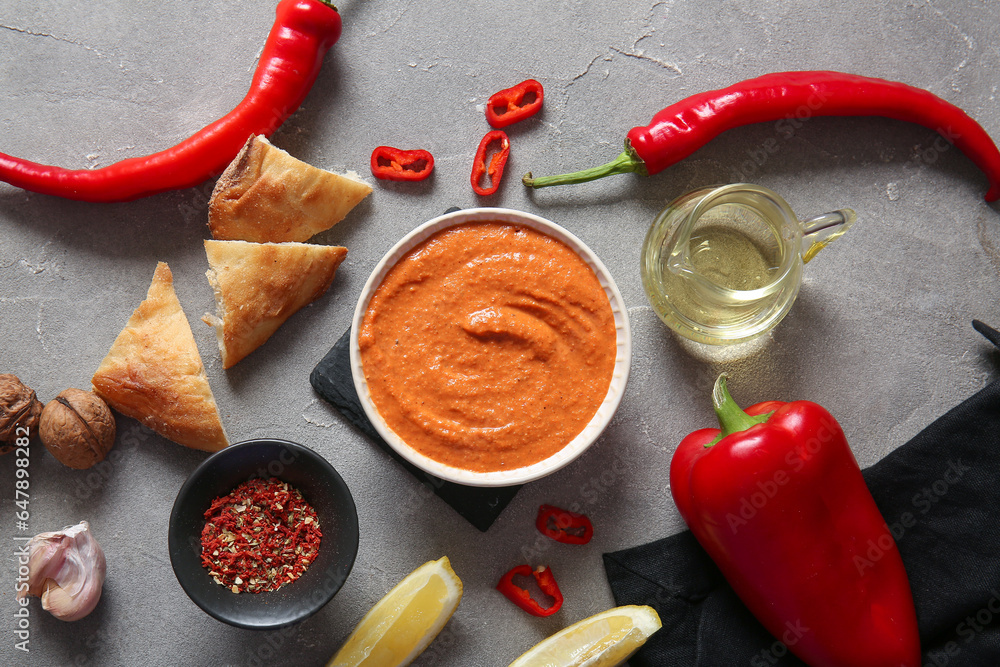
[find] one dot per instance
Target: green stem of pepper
(626, 163)
(732, 419)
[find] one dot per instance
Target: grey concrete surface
(880, 333)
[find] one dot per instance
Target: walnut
(77, 428)
(19, 408)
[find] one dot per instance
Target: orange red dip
(489, 346)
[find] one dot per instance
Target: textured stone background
(880, 333)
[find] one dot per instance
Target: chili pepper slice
(480, 170)
(303, 31)
(522, 598)
(789, 97)
(394, 164)
(515, 103)
(564, 526)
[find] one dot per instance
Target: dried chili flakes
(260, 537)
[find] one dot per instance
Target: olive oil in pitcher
(723, 265)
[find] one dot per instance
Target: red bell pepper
(480, 169)
(515, 103)
(522, 598)
(394, 164)
(564, 526)
(778, 501)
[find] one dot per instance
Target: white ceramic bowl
(600, 419)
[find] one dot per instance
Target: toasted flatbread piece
(153, 372)
(266, 195)
(260, 285)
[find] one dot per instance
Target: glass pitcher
(723, 265)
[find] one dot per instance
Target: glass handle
(822, 230)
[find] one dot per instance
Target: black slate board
(332, 380)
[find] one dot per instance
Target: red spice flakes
(260, 537)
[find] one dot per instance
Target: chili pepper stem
(732, 419)
(626, 163)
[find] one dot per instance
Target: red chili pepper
(515, 104)
(778, 501)
(494, 170)
(522, 598)
(564, 526)
(684, 127)
(394, 164)
(303, 32)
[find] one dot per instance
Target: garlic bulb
(66, 569)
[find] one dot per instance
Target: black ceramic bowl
(321, 487)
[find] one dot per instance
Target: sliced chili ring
(514, 104)
(394, 164)
(494, 170)
(522, 597)
(564, 526)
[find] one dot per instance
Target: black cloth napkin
(332, 380)
(940, 495)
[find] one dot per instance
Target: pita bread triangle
(153, 372)
(267, 196)
(260, 285)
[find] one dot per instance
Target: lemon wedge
(603, 640)
(404, 622)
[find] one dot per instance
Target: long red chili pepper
(494, 170)
(684, 127)
(395, 164)
(564, 526)
(303, 31)
(778, 501)
(522, 598)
